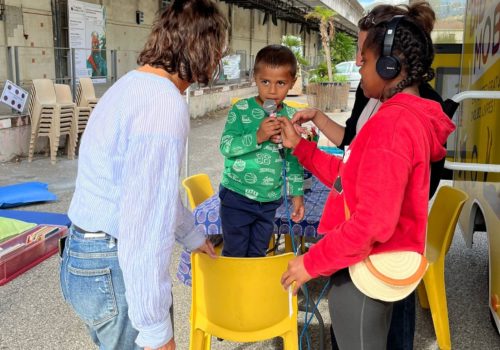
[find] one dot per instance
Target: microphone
(270, 108)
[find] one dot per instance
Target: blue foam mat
(37, 217)
(25, 193)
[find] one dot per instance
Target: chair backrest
(198, 188)
(63, 93)
(45, 92)
(241, 299)
(442, 222)
(87, 87)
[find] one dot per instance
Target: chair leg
(72, 145)
(288, 244)
(290, 341)
(422, 296)
(272, 242)
(207, 342)
(55, 134)
(32, 146)
(199, 340)
(54, 145)
(436, 293)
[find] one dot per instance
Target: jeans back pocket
(90, 292)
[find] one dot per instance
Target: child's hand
(268, 128)
(290, 136)
(298, 208)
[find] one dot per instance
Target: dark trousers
(247, 225)
(402, 329)
(359, 322)
(402, 324)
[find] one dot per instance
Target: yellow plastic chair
(431, 292)
(242, 300)
(198, 188)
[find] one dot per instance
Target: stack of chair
(85, 93)
(49, 118)
(81, 114)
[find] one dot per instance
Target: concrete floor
(34, 316)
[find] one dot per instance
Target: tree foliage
(294, 43)
(343, 48)
(325, 16)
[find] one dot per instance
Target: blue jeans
(247, 225)
(92, 284)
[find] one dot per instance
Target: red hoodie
(385, 180)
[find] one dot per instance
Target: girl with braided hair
(383, 179)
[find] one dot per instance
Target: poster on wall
(87, 35)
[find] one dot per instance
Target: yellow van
(476, 158)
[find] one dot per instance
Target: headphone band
(390, 33)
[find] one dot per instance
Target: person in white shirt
(126, 210)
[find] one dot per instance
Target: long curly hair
(188, 38)
(412, 44)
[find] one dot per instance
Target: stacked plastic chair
(81, 114)
(49, 118)
(85, 93)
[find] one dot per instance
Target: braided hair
(412, 45)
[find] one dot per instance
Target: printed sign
(14, 96)
(87, 35)
(231, 65)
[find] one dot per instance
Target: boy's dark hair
(188, 38)
(276, 56)
(412, 44)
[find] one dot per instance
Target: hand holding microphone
(270, 107)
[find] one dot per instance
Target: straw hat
(389, 276)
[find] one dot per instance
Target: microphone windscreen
(269, 106)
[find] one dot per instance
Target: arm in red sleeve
(323, 165)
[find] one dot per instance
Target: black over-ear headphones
(389, 66)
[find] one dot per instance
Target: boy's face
(273, 82)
